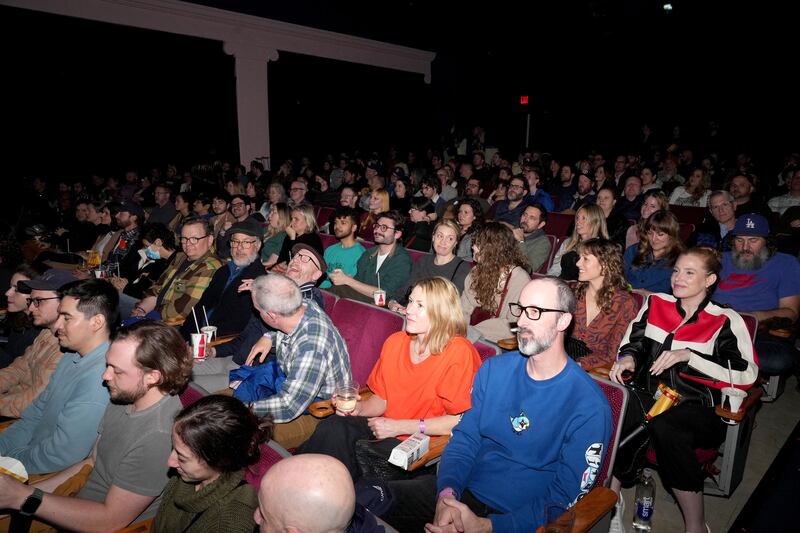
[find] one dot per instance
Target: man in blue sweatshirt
(537, 432)
(59, 428)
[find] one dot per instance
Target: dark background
(82, 97)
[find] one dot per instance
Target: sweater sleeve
(555, 269)
(495, 329)
(734, 346)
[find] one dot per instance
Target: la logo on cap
(750, 224)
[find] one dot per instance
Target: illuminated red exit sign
(523, 100)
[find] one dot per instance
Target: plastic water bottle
(645, 500)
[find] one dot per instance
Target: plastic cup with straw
(209, 330)
(379, 296)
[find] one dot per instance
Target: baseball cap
(133, 208)
(318, 256)
(399, 172)
(51, 280)
(751, 225)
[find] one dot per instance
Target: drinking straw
(379, 280)
(730, 372)
(118, 270)
(68, 246)
(205, 315)
(196, 325)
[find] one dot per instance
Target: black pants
(337, 436)
(414, 503)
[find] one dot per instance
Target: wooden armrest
(324, 408)
(509, 344)
(177, 321)
(590, 509)
(601, 371)
(434, 452)
(222, 340)
(753, 396)
(139, 527)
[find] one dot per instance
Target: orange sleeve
(455, 386)
(378, 382)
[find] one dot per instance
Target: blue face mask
(155, 255)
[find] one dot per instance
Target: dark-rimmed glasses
(531, 311)
(38, 301)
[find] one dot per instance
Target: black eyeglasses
(306, 258)
(383, 227)
(531, 311)
(38, 301)
(192, 240)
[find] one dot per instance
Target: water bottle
(645, 500)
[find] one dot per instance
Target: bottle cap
(647, 472)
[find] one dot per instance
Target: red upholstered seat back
(617, 396)
(416, 255)
(191, 394)
(324, 215)
(558, 224)
(547, 264)
(364, 328)
(330, 301)
(327, 240)
(485, 350)
(271, 453)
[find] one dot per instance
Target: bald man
(301, 483)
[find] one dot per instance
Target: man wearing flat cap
(227, 308)
(756, 279)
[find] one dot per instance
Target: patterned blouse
(605, 332)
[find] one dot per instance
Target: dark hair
(393, 215)
(95, 297)
(660, 221)
(204, 198)
(21, 320)
(610, 188)
(243, 197)
(223, 432)
(347, 212)
(434, 184)
(157, 230)
(160, 347)
(542, 210)
(609, 255)
(222, 195)
(423, 203)
(187, 197)
(525, 186)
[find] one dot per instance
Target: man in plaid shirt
(308, 349)
(182, 284)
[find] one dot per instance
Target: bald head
(301, 483)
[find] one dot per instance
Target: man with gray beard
(537, 431)
(227, 308)
(756, 279)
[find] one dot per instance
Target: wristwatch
(32, 503)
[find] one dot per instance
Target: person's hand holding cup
(345, 400)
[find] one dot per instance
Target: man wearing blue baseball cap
(756, 279)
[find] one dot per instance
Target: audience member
(652, 201)
(344, 255)
(418, 228)
(470, 219)
(278, 219)
(648, 265)
(19, 328)
(302, 229)
(695, 192)
(531, 235)
(780, 204)
(589, 224)
(164, 210)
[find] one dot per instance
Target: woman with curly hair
(648, 266)
(213, 441)
(604, 306)
(590, 222)
(470, 218)
(499, 275)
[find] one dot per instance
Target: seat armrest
(753, 397)
(590, 509)
(138, 527)
(438, 442)
(175, 322)
(509, 344)
(222, 340)
(324, 408)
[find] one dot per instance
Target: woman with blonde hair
(421, 383)
(498, 277)
(653, 201)
(302, 229)
(604, 305)
(695, 191)
(648, 266)
(590, 222)
(378, 203)
(278, 220)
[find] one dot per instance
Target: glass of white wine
(345, 398)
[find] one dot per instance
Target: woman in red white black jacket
(687, 342)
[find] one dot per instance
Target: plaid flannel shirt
(314, 358)
(183, 292)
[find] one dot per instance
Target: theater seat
(330, 300)
(192, 393)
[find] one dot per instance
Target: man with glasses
(164, 210)
(537, 432)
(388, 259)
(180, 287)
(509, 211)
(29, 374)
(716, 231)
(59, 427)
(221, 303)
(297, 194)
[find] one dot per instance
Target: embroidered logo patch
(520, 422)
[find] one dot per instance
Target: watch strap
(32, 503)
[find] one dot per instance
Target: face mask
(152, 254)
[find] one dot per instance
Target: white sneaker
(616, 520)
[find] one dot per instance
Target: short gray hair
(566, 297)
(728, 196)
(275, 293)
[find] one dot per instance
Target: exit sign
(523, 100)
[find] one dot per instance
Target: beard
(533, 345)
(246, 261)
(750, 263)
(121, 397)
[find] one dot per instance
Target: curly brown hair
(609, 254)
(499, 255)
